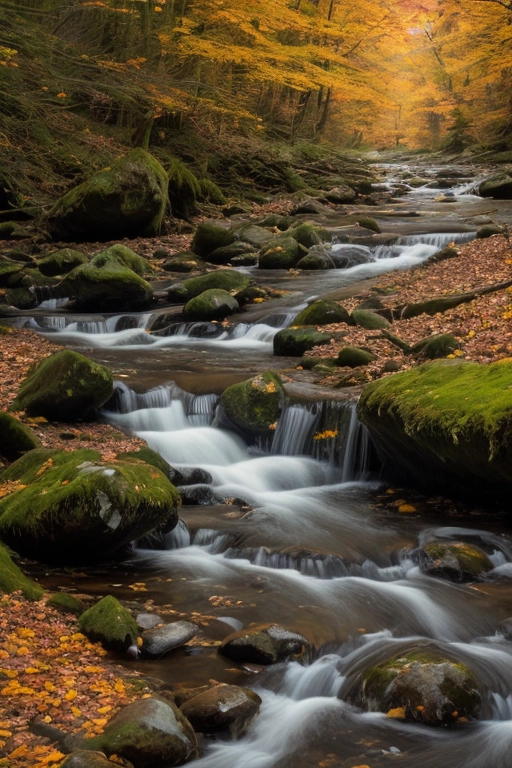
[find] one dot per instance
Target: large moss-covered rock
(309, 235)
(421, 687)
(353, 357)
(456, 560)
(65, 387)
(447, 422)
(253, 406)
(15, 437)
(365, 318)
(106, 286)
(498, 186)
(126, 199)
(322, 312)
(66, 603)
(120, 254)
(151, 733)
(264, 644)
(61, 262)
(109, 623)
(293, 342)
(281, 253)
(226, 253)
(222, 707)
(208, 237)
(12, 579)
(73, 507)
(226, 279)
(214, 304)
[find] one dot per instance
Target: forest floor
(57, 675)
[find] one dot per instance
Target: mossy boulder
(353, 357)
(368, 223)
(421, 687)
(488, 230)
(249, 259)
(253, 234)
(264, 644)
(61, 262)
(222, 707)
(293, 342)
(73, 507)
(208, 237)
(151, 733)
(226, 253)
(66, 603)
(106, 286)
(316, 260)
(147, 456)
(21, 298)
(12, 579)
(226, 279)
(499, 187)
(254, 406)
(456, 561)
(365, 318)
(448, 252)
(309, 235)
(127, 199)
(15, 437)
(322, 312)
(281, 253)
(65, 387)
(81, 758)
(436, 346)
(10, 273)
(125, 257)
(341, 194)
(445, 423)
(214, 304)
(184, 261)
(108, 623)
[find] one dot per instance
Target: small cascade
(198, 409)
(439, 239)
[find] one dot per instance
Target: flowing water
(287, 530)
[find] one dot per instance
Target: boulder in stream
(213, 304)
(293, 342)
(281, 253)
(322, 312)
(73, 507)
(224, 279)
(125, 257)
(445, 424)
(105, 284)
(61, 262)
(264, 644)
(221, 708)
(499, 187)
(151, 733)
(159, 641)
(253, 406)
(421, 687)
(65, 387)
(455, 560)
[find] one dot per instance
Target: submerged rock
(108, 623)
(151, 733)
(222, 707)
(126, 199)
(421, 687)
(65, 387)
(445, 423)
(264, 644)
(73, 507)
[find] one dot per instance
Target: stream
(287, 530)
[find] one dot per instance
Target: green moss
(148, 456)
(369, 223)
(227, 253)
(66, 603)
(110, 624)
(65, 387)
(15, 437)
(12, 579)
(322, 312)
(365, 318)
(470, 561)
(433, 347)
(208, 237)
(309, 235)
(282, 253)
(74, 507)
(124, 256)
(62, 261)
(213, 304)
(254, 405)
(451, 417)
(225, 279)
(354, 357)
(110, 287)
(293, 342)
(21, 298)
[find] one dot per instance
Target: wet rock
(341, 194)
(445, 424)
(210, 236)
(317, 258)
(421, 687)
(309, 235)
(438, 345)
(214, 304)
(125, 257)
(162, 640)
(151, 733)
(365, 318)
(254, 406)
(322, 312)
(126, 199)
(369, 223)
(253, 234)
(442, 255)
(15, 437)
(222, 707)
(12, 579)
(353, 357)
(310, 205)
(488, 230)
(112, 503)
(185, 261)
(106, 285)
(225, 279)
(264, 644)
(62, 261)
(226, 253)
(108, 623)
(148, 620)
(293, 342)
(81, 758)
(456, 561)
(281, 253)
(499, 187)
(65, 387)
(66, 603)
(190, 476)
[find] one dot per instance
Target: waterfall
(439, 239)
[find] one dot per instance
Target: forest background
(230, 90)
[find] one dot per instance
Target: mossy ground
(12, 579)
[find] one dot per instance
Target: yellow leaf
(406, 508)
(71, 694)
(398, 713)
